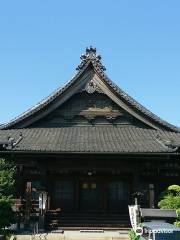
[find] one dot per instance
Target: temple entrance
(90, 196)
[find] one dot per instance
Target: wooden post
(28, 204)
(151, 195)
(19, 187)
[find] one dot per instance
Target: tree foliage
(170, 199)
(7, 172)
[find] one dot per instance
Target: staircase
(58, 220)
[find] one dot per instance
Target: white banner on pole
(133, 214)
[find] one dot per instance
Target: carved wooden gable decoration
(90, 98)
(85, 108)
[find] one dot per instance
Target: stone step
(72, 236)
(55, 221)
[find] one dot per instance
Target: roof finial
(91, 55)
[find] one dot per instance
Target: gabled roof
(91, 61)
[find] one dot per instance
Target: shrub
(132, 235)
(170, 199)
(6, 194)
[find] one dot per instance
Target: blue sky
(41, 42)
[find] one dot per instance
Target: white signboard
(133, 214)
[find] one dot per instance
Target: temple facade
(87, 149)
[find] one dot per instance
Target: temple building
(89, 146)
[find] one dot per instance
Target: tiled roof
(92, 58)
(93, 139)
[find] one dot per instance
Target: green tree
(170, 199)
(7, 181)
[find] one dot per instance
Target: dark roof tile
(112, 139)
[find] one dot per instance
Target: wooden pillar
(20, 192)
(28, 204)
(48, 189)
(19, 181)
(151, 195)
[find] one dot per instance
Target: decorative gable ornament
(91, 56)
(92, 87)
